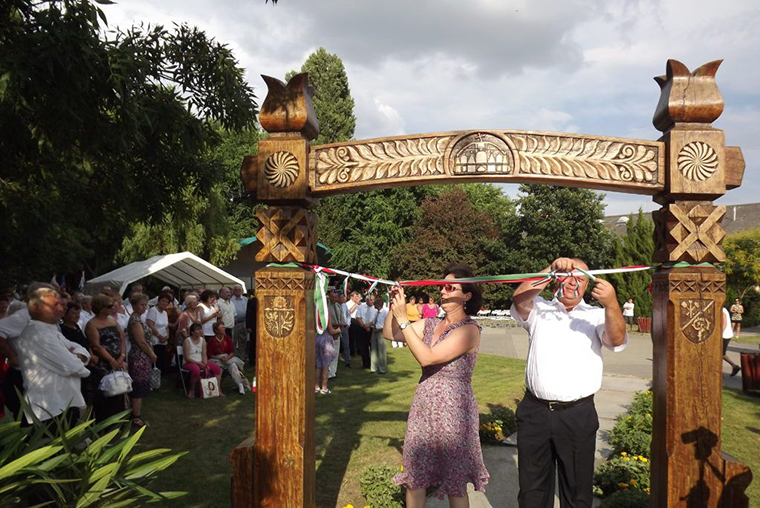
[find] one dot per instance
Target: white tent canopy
(182, 270)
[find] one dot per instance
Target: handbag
(155, 378)
(114, 383)
(209, 388)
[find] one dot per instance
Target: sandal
(324, 391)
(138, 422)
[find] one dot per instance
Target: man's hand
(563, 265)
(83, 358)
(604, 293)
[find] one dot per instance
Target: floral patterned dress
(442, 446)
(138, 361)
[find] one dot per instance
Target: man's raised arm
(526, 292)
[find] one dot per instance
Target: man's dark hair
(208, 293)
(73, 305)
(460, 271)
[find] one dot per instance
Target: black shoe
(348, 365)
(735, 370)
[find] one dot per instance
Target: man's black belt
(559, 405)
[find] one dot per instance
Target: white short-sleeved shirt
(12, 326)
(229, 312)
(368, 315)
(628, 309)
(206, 311)
(380, 318)
(161, 321)
(565, 349)
(728, 332)
(356, 308)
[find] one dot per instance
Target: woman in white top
(209, 312)
(728, 334)
(158, 322)
(196, 360)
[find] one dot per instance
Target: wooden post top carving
(288, 108)
(688, 97)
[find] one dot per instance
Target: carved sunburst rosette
(281, 169)
(279, 315)
(697, 161)
(697, 319)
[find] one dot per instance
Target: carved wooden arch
(574, 160)
(685, 170)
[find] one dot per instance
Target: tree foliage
(743, 261)
(558, 221)
(636, 247)
(103, 130)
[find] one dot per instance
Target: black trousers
(163, 360)
(563, 441)
(362, 346)
(354, 332)
(13, 381)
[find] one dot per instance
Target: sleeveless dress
(138, 361)
(442, 446)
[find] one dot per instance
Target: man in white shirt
(86, 314)
(365, 315)
(344, 337)
(628, 312)
(239, 332)
(10, 330)
(229, 311)
(354, 330)
(335, 312)
(51, 365)
(378, 355)
(557, 419)
(728, 334)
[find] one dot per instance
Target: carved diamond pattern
(689, 231)
(279, 282)
(287, 234)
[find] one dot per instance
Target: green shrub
(379, 490)
(632, 432)
(627, 498)
(622, 472)
(89, 465)
(497, 425)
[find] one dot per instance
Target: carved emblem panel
(481, 153)
(279, 315)
(697, 318)
(588, 161)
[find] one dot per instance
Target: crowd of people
(355, 329)
(61, 352)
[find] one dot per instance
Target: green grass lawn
(748, 339)
(361, 423)
(741, 435)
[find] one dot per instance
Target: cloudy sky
(434, 65)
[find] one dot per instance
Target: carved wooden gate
(684, 171)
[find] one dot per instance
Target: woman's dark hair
(207, 294)
(166, 295)
(217, 324)
(194, 327)
(472, 306)
(73, 305)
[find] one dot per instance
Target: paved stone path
(624, 374)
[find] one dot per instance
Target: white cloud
(436, 65)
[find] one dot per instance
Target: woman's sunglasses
(450, 287)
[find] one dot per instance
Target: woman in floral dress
(442, 447)
(140, 358)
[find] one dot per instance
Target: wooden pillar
(688, 468)
(277, 467)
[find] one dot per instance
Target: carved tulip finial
(688, 97)
(288, 108)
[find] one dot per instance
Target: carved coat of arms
(279, 315)
(697, 319)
